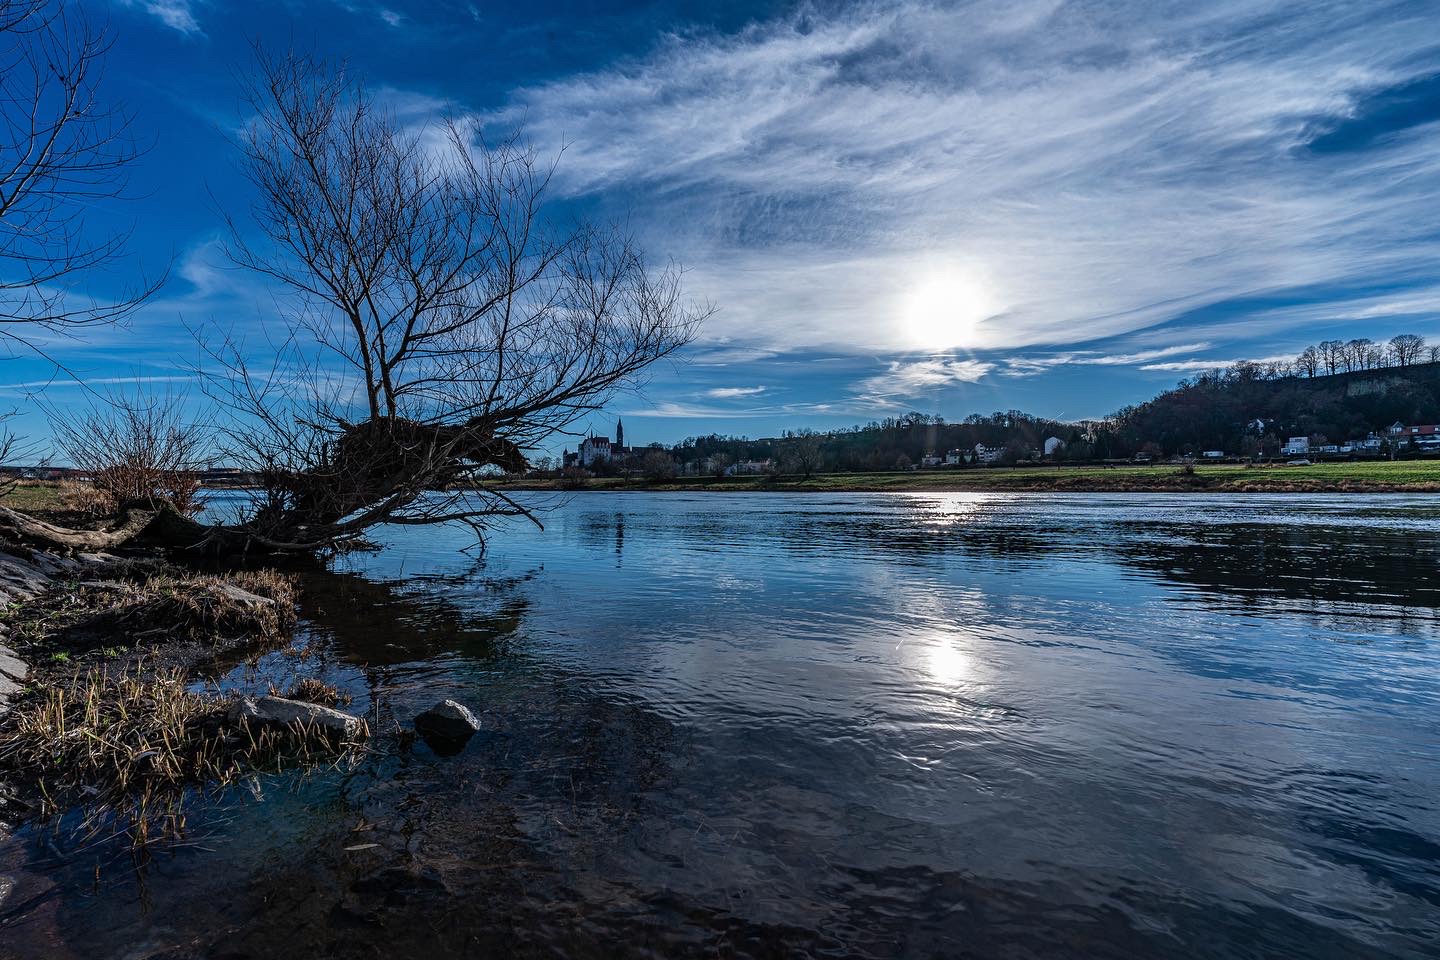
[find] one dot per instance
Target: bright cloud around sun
(912, 176)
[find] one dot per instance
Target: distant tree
(657, 465)
(1435, 353)
(903, 462)
(1308, 362)
(720, 463)
(1407, 348)
(804, 454)
(1359, 353)
(1332, 355)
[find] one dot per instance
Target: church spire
(619, 433)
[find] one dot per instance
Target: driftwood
(23, 528)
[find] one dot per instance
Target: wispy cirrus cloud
(913, 378)
(727, 393)
(1191, 366)
(1027, 366)
(1101, 168)
(178, 15)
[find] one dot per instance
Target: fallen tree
(437, 323)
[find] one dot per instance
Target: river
(960, 725)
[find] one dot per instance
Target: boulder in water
(447, 720)
(296, 713)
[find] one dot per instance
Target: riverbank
(102, 708)
(1403, 476)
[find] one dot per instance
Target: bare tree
(138, 449)
(1332, 355)
(1359, 353)
(1308, 362)
(1407, 348)
(719, 464)
(440, 325)
(63, 150)
(658, 465)
(803, 454)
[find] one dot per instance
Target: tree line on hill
(1333, 392)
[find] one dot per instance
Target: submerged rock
(294, 713)
(447, 720)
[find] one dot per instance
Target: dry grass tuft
(139, 603)
(129, 746)
(313, 690)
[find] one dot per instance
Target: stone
(294, 713)
(244, 597)
(243, 711)
(8, 690)
(12, 666)
(447, 720)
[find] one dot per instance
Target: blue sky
(1056, 207)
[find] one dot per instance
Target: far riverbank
(1403, 476)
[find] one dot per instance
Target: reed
(128, 747)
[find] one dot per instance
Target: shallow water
(840, 726)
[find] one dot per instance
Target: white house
(931, 460)
(1053, 445)
(1213, 454)
(984, 454)
(1294, 446)
(954, 458)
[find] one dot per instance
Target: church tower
(619, 434)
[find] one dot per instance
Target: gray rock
(12, 666)
(447, 720)
(295, 713)
(243, 711)
(243, 596)
(9, 689)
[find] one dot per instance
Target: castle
(597, 450)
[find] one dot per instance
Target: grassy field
(30, 495)
(1360, 476)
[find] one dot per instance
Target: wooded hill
(1220, 410)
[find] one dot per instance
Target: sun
(943, 310)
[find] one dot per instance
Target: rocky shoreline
(23, 579)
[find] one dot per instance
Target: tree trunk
(26, 529)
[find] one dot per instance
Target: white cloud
(672, 409)
(175, 14)
(913, 378)
(1190, 366)
(1102, 168)
(391, 17)
(1027, 366)
(725, 393)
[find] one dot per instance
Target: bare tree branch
(63, 150)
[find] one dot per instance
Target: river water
(961, 725)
